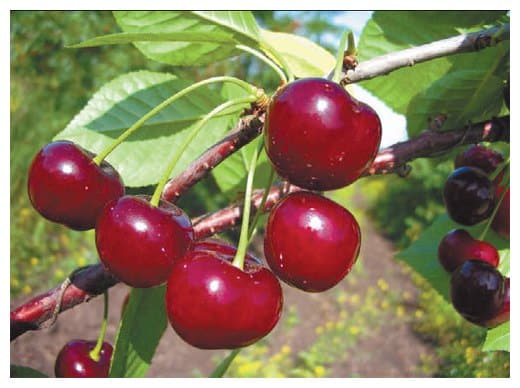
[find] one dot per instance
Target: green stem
(194, 131)
(95, 353)
(270, 49)
(224, 365)
(103, 154)
(339, 56)
(264, 59)
(499, 169)
(240, 255)
(490, 220)
(260, 209)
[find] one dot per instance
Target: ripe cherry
(319, 137)
(138, 242)
(477, 291)
(310, 241)
(503, 314)
(500, 223)
(481, 157)
(458, 247)
(67, 187)
(212, 304)
(469, 196)
(74, 360)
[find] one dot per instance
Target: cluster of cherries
(479, 292)
(317, 137)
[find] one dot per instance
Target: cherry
(222, 247)
(310, 241)
(319, 137)
(74, 360)
(138, 242)
(458, 246)
(212, 304)
(481, 157)
(477, 291)
(469, 196)
(67, 187)
(500, 223)
(503, 314)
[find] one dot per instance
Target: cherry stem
(264, 59)
(238, 260)
(340, 55)
(260, 209)
(276, 55)
(490, 221)
(499, 169)
(193, 133)
(103, 154)
(95, 353)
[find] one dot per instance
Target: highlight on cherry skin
(318, 136)
(310, 241)
(74, 360)
(458, 246)
(211, 304)
(67, 187)
(139, 243)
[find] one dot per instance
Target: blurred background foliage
(50, 84)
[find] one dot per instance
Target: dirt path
(388, 348)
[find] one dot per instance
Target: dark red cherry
(500, 223)
(458, 247)
(477, 291)
(469, 196)
(222, 248)
(310, 241)
(481, 157)
(67, 187)
(319, 137)
(139, 243)
(212, 304)
(74, 360)
(503, 314)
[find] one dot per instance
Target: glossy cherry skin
(477, 291)
(503, 314)
(139, 243)
(500, 223)
(67, 187)
(212, 304)
(479, 156)
(319, 137)
(310, 241)
(74, 360)
(469, 196)
(223, 248)
(458, 247)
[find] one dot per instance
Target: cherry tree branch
(464, 43)
(94, 280)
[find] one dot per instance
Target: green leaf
(25, 371)
(473, 80)
(497, 338)
(178, 36)
(142, 326)
(421, 255)
(304, 57)
(141, 159)
(234, 26)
